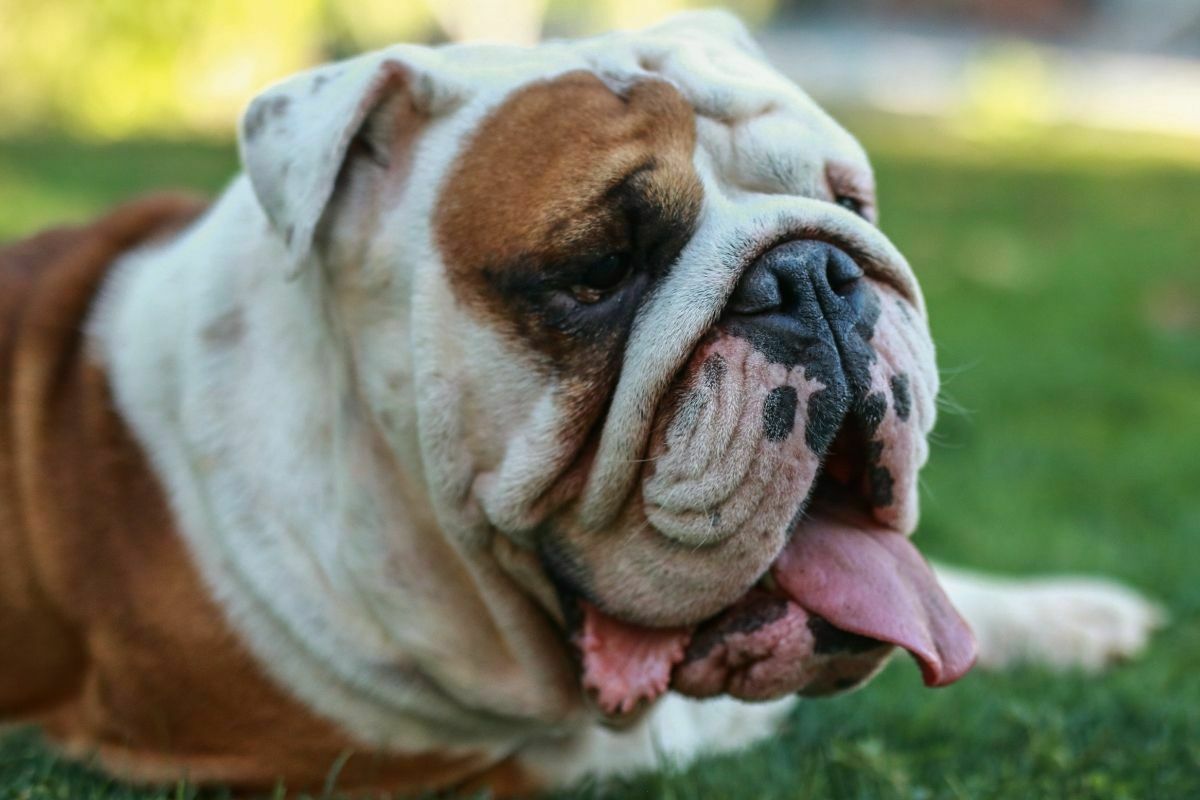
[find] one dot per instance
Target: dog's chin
(840, 595)
(762, 645)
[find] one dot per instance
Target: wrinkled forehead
(755, 131)
(743, 107)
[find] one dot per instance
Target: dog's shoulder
(113, 641)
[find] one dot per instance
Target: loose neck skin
(305, 512)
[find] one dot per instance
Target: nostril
(757, 292)
(799, 278)
(842, 273)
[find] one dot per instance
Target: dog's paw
(1060, 622)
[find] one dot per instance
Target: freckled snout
(795, 296)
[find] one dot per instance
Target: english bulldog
(517, 415)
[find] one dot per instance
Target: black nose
(803, 280)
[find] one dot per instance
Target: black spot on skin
(828, 640)
(901, 398)
(262, 110)
(874, 451)
(779, 413)
(759, 615)
(288, 233)
(714, 370)
(760, 612)
(826, 409)
(871, 412)
(317, 83)
(881, 483)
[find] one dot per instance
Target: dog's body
(508, 454)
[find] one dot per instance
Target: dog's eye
(852, 204)
(601, 277)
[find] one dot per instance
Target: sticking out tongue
(871, 581)
(842, 566)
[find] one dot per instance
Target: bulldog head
(622, 310)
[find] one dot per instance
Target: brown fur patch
(110, 639)
(561, 174)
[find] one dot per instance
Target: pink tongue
(873, 582)
(624, 664)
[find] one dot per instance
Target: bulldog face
(624, 308)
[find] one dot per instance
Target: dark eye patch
(602, 276)
(541, 259)
(647, 228)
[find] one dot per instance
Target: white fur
(1063, 622)
(673, 734)
(349, 567)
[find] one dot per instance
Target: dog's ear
(295, 137)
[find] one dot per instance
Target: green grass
(1064, 289)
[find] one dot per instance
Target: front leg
(673, 733)
(1062, 622)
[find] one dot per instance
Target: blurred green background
(1059, 247)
